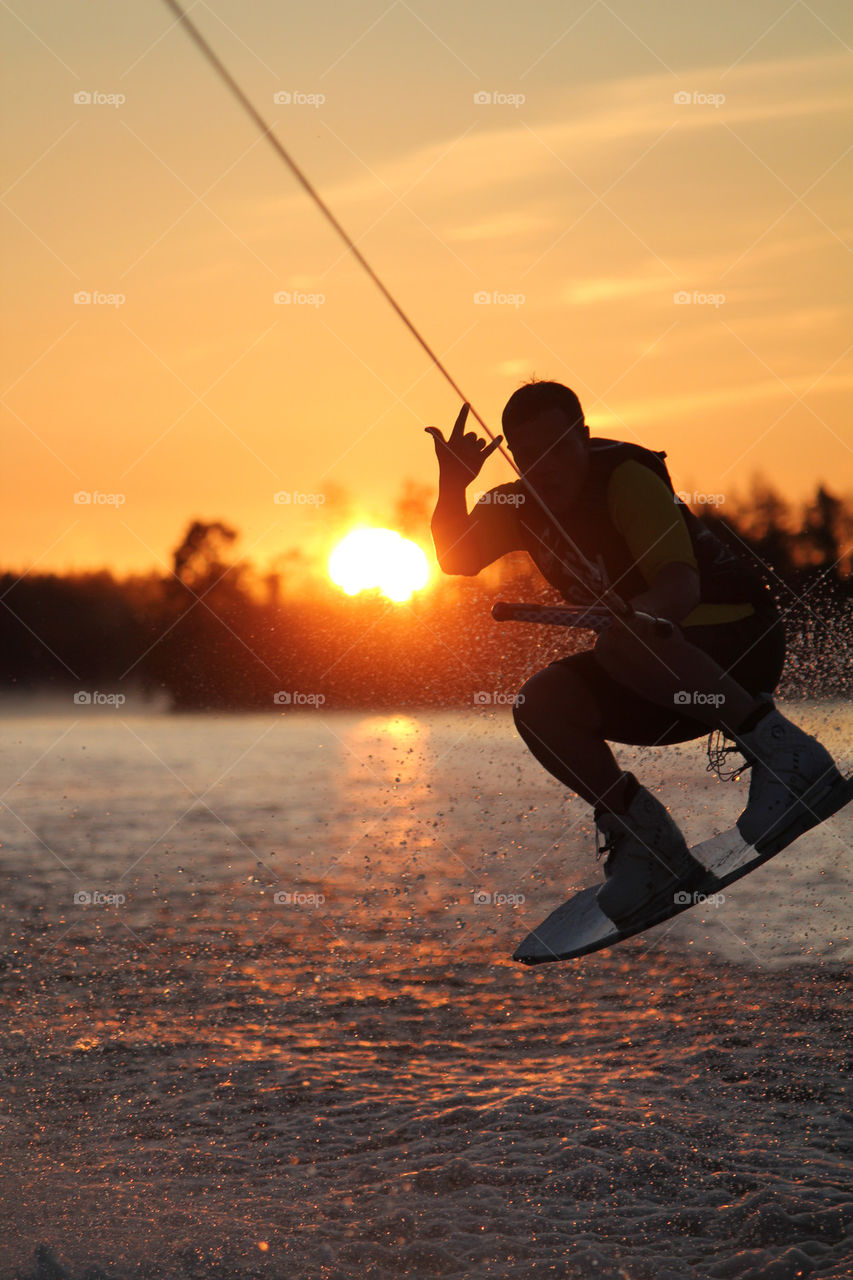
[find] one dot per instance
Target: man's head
(544, 427)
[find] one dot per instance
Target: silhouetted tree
(198, 560)
(212, 634)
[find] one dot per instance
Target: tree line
(215, 634)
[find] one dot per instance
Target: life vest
(724, 576)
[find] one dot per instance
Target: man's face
(552, 455)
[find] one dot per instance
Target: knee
(551, 692)
(532, 698)
(607, 647)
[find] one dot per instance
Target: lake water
(260, 1016)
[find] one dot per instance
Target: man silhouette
(703, 648)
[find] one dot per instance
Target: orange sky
(590, 205)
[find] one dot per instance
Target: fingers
(482, 447)
(460, 439)
(459, 424)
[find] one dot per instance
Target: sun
(379, 558)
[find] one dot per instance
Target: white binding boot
(791, 775)
(647, 856)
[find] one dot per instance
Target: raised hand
(462, 454)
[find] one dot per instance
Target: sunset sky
(581, 200)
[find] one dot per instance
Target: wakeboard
(579, 926)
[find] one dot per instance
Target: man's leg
(794, 780)
(558, 718)
(563, 714)
(675, 673)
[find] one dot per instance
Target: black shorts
(751, 651)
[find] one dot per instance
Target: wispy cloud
(611, 288)
(579, 123)
(675, 405)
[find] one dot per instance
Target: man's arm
(648, 517)
(458, 547)
(453, 532)
(674, 593)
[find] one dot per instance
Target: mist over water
(280, 1031)
(820, 647)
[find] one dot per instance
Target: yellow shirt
(643, 509)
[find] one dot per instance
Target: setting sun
(378, 558)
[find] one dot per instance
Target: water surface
(280, 1033)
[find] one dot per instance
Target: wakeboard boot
(647, 857)
(793, 781)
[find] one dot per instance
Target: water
(279, 1033)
